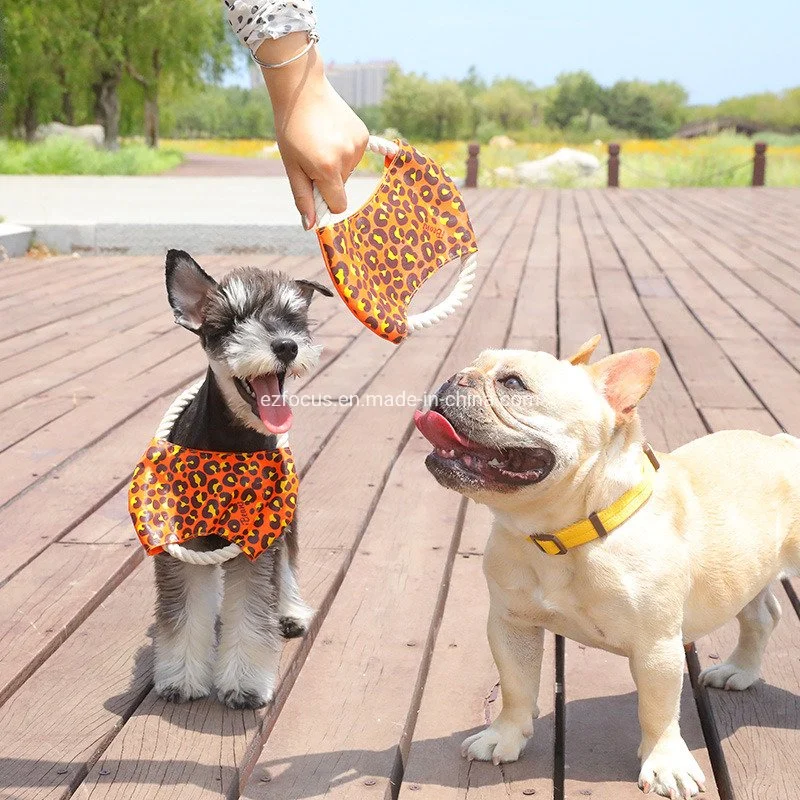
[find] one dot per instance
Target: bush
(218, 112)
(487, 129)
(64, 156)
(372, 117)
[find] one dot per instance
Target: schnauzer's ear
(307, 289)
(188, 287)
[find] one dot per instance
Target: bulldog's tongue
(275, 412)
(439, 432)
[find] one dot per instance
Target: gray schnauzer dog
(254, 328)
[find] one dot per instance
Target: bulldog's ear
(625, 378)
(585, 351)
(188, 288)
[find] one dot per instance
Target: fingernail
(306, 222)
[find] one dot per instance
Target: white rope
(209, 558)
(469, 263)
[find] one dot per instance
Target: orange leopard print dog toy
(178, 494)
(414, 224)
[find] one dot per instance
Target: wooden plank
(33, 458)
(21, 330)
(22, 273)
(669, 416)
(108, 463)
(44, 604)
(462, 696)
(773, 378)
(18, 321)
(534, 320)
(352, 698)
(65, 286)
(749, 235)
(50, 739)
(721, 274)
(602, 728)
(745, 419)
(711, 379)
(53, 728)
(759, 728)
(70, 342)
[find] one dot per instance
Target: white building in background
(360, 84)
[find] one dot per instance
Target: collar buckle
(538, 538)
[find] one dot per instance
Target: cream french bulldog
(676, 552)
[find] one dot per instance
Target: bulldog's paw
(728, 676)
(671, 771)
(499, 743)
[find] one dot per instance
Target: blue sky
(715, 49)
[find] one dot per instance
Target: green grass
(64, 156)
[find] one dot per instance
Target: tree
(630, 110)
(173, 40)
(408, 103)
(576, 93)
(68, 59)
(509, 102)
(669, 101)
(472, 86)
(30, 86)
(450, 110)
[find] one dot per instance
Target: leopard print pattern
(178, 494)
(378, 257)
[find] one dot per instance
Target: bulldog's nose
(284, 349)
(467, 379)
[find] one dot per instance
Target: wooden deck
(397, 670)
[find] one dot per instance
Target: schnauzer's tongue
(438, 431)
(275, 412)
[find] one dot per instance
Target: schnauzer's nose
(284, 349)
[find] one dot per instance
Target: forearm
(285, 84)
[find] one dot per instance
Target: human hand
(320, 138)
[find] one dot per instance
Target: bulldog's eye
(513, 382)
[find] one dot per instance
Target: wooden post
(471, 181)
(613, 165)
(760, 164)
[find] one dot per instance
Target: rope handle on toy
(209, 558)
(469, 263)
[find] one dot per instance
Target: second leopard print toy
(414, 224)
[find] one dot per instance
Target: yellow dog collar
(600, 523)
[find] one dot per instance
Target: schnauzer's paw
(244, 698)
(499, 743)
(181, 692)
(671, 771)
(728, 676)
(293, 627)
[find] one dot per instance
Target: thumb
(303, 191)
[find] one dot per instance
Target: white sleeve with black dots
(253, 21)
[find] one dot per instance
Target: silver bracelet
(313, 38)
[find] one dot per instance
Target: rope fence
(704, 179)
(614, 162)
